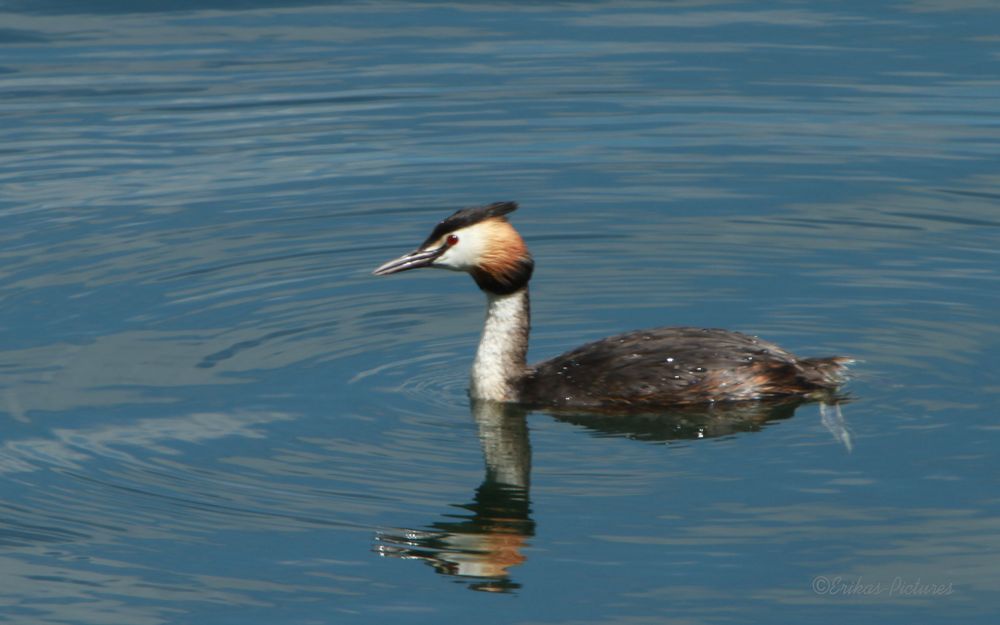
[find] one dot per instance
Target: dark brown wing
(671, 366)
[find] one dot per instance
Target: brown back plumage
(676, 366)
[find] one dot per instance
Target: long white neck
(501, 358)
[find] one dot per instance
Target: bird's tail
(827, 372)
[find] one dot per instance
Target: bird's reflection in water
(710, 421)
(480, 541)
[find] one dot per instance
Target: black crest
(469, 216)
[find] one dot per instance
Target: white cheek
(465, 254)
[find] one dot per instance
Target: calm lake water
(213, 414)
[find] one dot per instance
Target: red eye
(451, 240)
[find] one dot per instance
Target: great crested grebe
(646, 369)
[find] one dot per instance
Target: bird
(643, 370)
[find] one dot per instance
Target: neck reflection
(482, 541)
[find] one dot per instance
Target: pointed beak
(414, 260)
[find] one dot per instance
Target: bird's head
(479, 241)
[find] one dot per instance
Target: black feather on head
(467, 217)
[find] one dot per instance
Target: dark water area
(213, 413)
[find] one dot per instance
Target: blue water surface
(213, 413)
